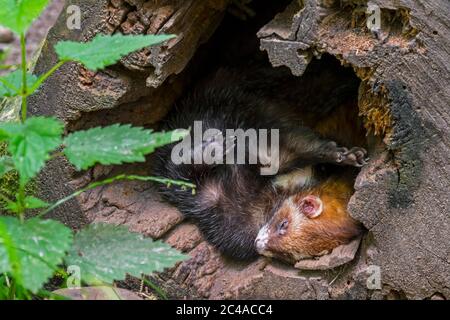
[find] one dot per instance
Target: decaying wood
(339, 256)
(401, 196)
(192, 22)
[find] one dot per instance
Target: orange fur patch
(311, 237)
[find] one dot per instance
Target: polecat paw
(356, 157)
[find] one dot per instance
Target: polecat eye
(282, 227)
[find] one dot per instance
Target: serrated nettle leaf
(178, 134)
(18, 15)
(29, 203)
(32, 250)
(30, 143)
(105, 50)
(114, 144)
(6, 165)
(105, 253)
(11, 84)
(35, 203)
(159, 139)
(13, 207)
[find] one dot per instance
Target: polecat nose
(260, 245)
(261, 239)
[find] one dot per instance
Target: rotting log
(401, 196)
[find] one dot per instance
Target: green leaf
(35, 203)
(160, 139)
(18, 15)
(105, 253)
(105, 50)
(6, 165)
(32, 250)
(31, 142)
(115, 144)
(30, 203)
(11, 84)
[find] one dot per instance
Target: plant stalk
(111, 180)
(24, 76)
(45, 76)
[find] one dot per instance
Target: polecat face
(306, 225)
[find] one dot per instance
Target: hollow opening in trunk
(324, 99)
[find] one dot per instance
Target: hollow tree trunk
(401, 195)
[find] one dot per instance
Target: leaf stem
(24, 95)
(155, 288)
(21, 202)
(10, 86)
(12, 290)
(24, 76)
(111, 180)
(8, 66)
(45, 76)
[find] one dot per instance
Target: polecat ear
(311, 206)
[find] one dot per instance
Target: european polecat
(233, 201)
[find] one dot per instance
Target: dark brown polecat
(233, 201)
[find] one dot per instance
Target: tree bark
(401, 195)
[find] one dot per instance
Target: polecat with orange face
(233, 201)
(311, 222)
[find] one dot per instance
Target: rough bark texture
(401, 196)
